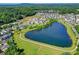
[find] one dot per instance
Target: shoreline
(69, 49)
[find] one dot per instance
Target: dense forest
(11, 14)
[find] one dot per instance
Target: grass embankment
(33, 47)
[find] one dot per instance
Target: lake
(55, 34)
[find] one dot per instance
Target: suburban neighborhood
(8, 31)
(39, 29)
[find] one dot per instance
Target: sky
(39, 1)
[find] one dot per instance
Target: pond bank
(26, 44)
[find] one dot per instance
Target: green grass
(33, 47)
(30, 47)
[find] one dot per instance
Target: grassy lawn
(33, 47)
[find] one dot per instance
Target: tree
(13, 50)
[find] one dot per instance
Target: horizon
(39, 3)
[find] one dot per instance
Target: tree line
(11, 14)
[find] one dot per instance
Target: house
(4, 47)
(70, 18)
(77, 18)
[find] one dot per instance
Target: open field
(33, 47)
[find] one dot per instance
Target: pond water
(55, 34)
